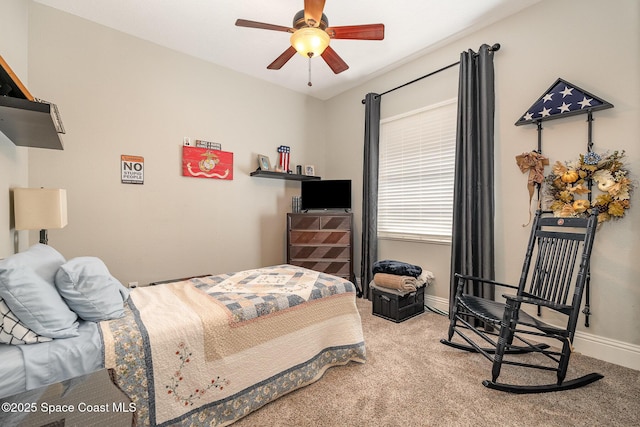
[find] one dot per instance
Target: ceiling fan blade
(262, 26)
(357, 32)
(282, 59)
(334, 62)
(313, 12)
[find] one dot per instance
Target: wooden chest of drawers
(322, 242)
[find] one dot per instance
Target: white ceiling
(206, 29)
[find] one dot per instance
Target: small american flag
(562, 99)
(284, 151)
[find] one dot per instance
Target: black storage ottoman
(397, 308)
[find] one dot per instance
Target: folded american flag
(562, 99)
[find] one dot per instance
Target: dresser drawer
(320, 222)
(342, 253)
(335, 223)
(337, 268)
(299, 237)
(304, 222)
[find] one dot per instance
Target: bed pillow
(14, 332)
(27, 287)
(42, 259)
(90, 290)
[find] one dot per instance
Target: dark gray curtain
(472, 242)
(370, 191)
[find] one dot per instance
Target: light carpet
(411, 379)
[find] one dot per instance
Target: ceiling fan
(311, 35)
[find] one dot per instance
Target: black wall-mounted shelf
(28, 123)
(281, 175)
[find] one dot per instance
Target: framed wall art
(204, 163)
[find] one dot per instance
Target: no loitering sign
(132, 168)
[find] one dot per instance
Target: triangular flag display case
(564, 99)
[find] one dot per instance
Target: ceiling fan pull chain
(309, 82)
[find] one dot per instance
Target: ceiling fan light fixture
(310, 41)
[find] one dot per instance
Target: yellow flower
(581, 205)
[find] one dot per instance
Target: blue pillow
(27, 286)
(42, 259)
(90, 290)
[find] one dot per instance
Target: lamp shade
(310, 41)
(40, 208)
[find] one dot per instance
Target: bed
(203, 351)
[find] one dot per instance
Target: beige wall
(13, 159)
(120, 95)
(592, 44)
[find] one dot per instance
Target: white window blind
(416, 171)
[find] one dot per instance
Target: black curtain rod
(493, 48)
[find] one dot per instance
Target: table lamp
(40, 209)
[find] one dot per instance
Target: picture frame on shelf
(310, 170)
(264, 163)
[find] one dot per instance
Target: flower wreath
(570, 179)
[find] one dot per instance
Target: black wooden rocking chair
(554, 274)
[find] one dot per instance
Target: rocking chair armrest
(480, 279)
(537, 301)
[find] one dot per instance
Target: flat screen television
(327, 194)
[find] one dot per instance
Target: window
(416, 170)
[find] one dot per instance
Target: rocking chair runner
(554, 273)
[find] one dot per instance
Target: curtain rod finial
(495, 47)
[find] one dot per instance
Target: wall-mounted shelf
(281, 175)
(28, 123)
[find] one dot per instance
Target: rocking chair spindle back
(554, 274)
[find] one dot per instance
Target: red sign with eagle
(205, 163)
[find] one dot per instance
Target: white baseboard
(618, 352)
(437, 302)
